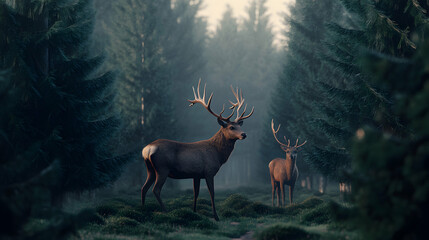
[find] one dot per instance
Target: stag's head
(291, 151)
(230, 129)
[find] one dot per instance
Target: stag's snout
(243, 136)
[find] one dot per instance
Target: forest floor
(245, 213)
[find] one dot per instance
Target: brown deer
(284, 171)
(197, 160)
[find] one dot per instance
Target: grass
(244, 211)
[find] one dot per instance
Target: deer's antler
(238, 94)
(202, 101)
(296, 144)
(276, 131)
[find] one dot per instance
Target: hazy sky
(213, 10)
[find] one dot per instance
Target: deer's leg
(278, 194)
(210, 186)
(291, 193)
(282, 186)
(149, 181)
(273, 191)
(196, 192)
(159, 182)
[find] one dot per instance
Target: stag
(284, 171)
(197, 160)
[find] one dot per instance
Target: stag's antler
(276, 131)
(288, 141)
(296, 144)
(202, 101)
(239, 104)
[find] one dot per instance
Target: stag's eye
(232, 128)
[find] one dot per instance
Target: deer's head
(230, 129)
(291, 151)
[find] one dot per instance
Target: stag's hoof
(216, 218)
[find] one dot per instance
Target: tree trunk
(323, 183)
(345, 191)
(309, 182)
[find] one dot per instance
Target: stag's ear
(222, 123)
(240, 122)
(284, 148)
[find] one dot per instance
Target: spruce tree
(57, 119)
(382, 26)
(297, 96)
(242, 55)
(64, 108)
(390, 170)
(156, 48)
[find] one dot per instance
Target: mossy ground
(242, 211)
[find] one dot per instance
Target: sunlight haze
(213, 10)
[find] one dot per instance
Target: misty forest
(132, 119)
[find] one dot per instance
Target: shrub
(123, 225)
(309, 203)
(322, 214)
(235, 202)
(133, 214)
(106, 210)
(280, 231)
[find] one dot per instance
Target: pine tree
(243, 55)
(158, 52)
(351, 101)
(57, 119)
(297, 97)
(390, 170)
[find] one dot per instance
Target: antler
(275, 132)
(296, 144)
(202, 101)
(239, 104)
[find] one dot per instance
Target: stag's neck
(223, 145)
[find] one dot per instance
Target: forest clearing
(244, 213)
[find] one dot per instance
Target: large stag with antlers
(197, 160)
(284, 171)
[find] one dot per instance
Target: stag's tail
(148, 151)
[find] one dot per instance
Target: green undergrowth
(311, 218)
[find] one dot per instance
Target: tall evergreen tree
(243, 55)
(58, 121)
(352, 102)
(332, 97)
(157, 49)
(390, 170)
(297, 96)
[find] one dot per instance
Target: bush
(322, 214)
(106, 210)
(133, 214)
(255, 209)
(183, 217)
(280, 231)
(123, 225)
(235, 202)
(309, 203)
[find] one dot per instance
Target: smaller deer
(284, 171)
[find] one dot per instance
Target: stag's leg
(210, 186)
(196, 192)
(149, 181)
(291, 193)
(159, 182)
(273, 191)
(278, 193)
(282, 189)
